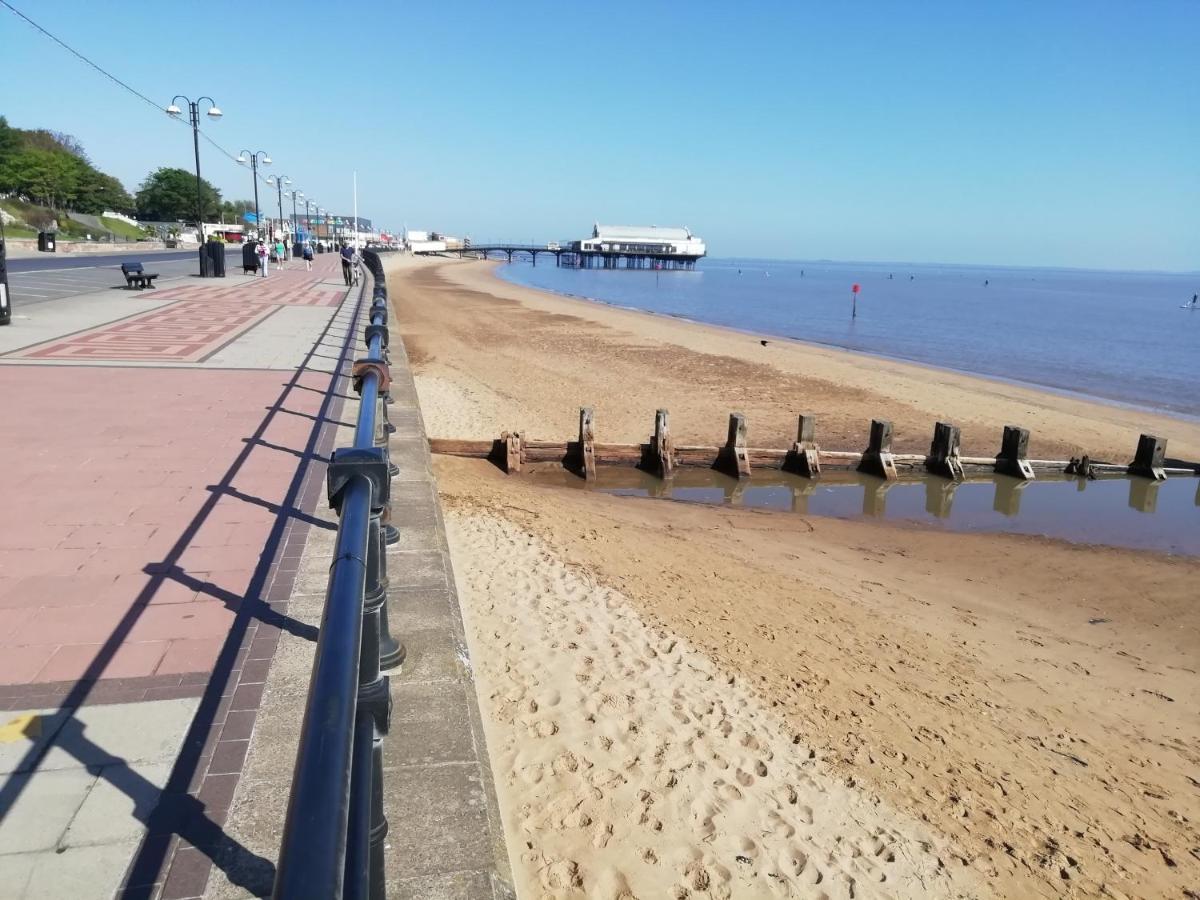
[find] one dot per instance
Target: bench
(136, 276)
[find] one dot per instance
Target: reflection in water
(1143, 494)
(875, 497)
(1007, 501)
(939, 497)
(1117, 511)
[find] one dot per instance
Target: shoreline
(1126, 405)
(1018, 715)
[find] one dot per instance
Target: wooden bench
(136, 276)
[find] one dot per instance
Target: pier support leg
(878, 459)
(587, 443)
(805, 456)
(733, 458)
(944, 453)
(1148, 460)
(1014, 452)
(662, 448)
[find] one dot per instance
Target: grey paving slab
(44, 809)
(121, 799)
(101, 735)
(80, 873)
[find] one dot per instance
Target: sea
(1121, 337)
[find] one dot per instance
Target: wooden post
(944, 454)
(805, 456)
(878, 459)
(1014, 451)
(587, 443)
(662, 447)
(514, 452)
(733, 458)
(1148, 460)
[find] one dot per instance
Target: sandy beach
(687, 701)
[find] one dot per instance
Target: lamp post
(247, 157)
(279, 181)
(307, 218)
(194, 118)
(295, 226)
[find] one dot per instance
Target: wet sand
(704, 702)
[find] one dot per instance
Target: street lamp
(295, 225)
(279, 181)
(247, 157)
(307, 217)
(194, 117)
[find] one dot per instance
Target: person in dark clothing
(347, 263)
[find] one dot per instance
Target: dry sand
(698, 702)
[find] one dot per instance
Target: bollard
(732, 458)
(878, 459)
(805, 456)
(944, 454)
(1148, 460)
(1014, 451)
(587, 443)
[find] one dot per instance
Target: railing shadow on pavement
(176, 812)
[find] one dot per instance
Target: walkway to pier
(160, 581)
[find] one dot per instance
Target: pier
(608, 247)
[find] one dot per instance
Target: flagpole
(355, 209)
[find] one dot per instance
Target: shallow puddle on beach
(1115, 511)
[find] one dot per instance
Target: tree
(169, 194)
(10, 141)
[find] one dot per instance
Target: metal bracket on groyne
(661, 456)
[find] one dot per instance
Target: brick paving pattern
(154, 520)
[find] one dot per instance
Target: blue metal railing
(335, 828)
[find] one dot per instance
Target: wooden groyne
(661, 456)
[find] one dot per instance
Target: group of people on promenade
(277, 251)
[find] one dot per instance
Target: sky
(1009, 133)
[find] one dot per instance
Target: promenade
(161, 577)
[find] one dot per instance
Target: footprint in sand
(656, 772)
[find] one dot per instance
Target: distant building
(643, 240)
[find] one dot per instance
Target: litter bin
(5, 297)
(250, 257)
(215, 251)
(46, 241)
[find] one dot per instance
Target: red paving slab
(107, 496)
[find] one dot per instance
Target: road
(39, 279)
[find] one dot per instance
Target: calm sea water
(1118, 336)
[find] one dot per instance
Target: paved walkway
(163, 457)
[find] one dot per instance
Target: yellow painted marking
(26, 726)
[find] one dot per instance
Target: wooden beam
(1014, 450)
(944, 458)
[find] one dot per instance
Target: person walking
(261, 250)
(308, 256)
(280, 251)
(347, 263)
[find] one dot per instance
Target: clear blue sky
(1024, 133)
